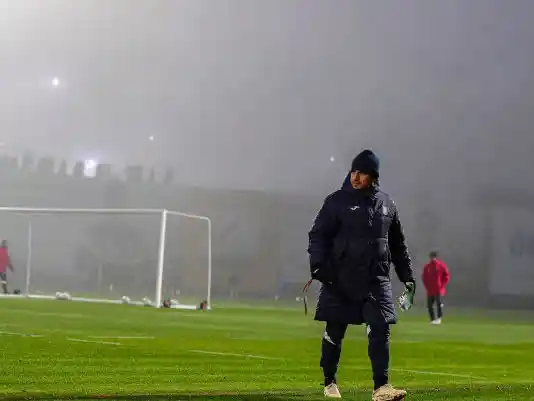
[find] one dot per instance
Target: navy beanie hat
(367, 163)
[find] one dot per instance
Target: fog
(256, 95)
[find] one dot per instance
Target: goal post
(164, 219)
(162, 266)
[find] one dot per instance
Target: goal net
(133, 256)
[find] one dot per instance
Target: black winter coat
(355, 237)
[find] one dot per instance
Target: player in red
(5, 263)
(435, 278)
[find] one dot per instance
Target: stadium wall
(259, 241)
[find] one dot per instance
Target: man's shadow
(457, 393)
(171, 397)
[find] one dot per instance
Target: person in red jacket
(435, 279)
(5, 262)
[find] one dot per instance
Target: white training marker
(79, 340)
(237, 355)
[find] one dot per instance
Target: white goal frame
(163, 213)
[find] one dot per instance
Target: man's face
(360, 180)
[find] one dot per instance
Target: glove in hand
(407, 297)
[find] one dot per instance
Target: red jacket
(4, 260)
(436, 277)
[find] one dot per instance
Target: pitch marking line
(52, 314)
(79, 340)
(196, 351)
(123, 337)
(426, 372)
(11, 333)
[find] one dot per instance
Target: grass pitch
(52, 350)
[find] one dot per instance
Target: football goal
(133, 256)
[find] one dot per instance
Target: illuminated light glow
(151, 138)
(55, 81)
(89, 169)
(332, 159)
(90, 164)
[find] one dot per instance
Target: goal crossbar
(45, 210)
(161, 247)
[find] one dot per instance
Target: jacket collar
(366, 193)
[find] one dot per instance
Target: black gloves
(320, 274)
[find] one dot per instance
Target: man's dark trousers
(431, 300)
(378, 351)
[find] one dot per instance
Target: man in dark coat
(355, 237)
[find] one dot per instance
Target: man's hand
(320, 275)
(406, 299)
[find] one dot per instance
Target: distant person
(5, 263)
(435, 279)
(355, 237)
(233, 282)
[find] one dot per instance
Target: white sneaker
(332, 391)
(437, 321)
(388, 393)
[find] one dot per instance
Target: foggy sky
(261, 93)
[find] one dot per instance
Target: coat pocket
(339, 250)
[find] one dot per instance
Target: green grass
(473, 356)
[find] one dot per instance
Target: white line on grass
(11, 333)
(79, 340)
(237, 355)
(124, 337)
(52, 314)
(426, 372)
